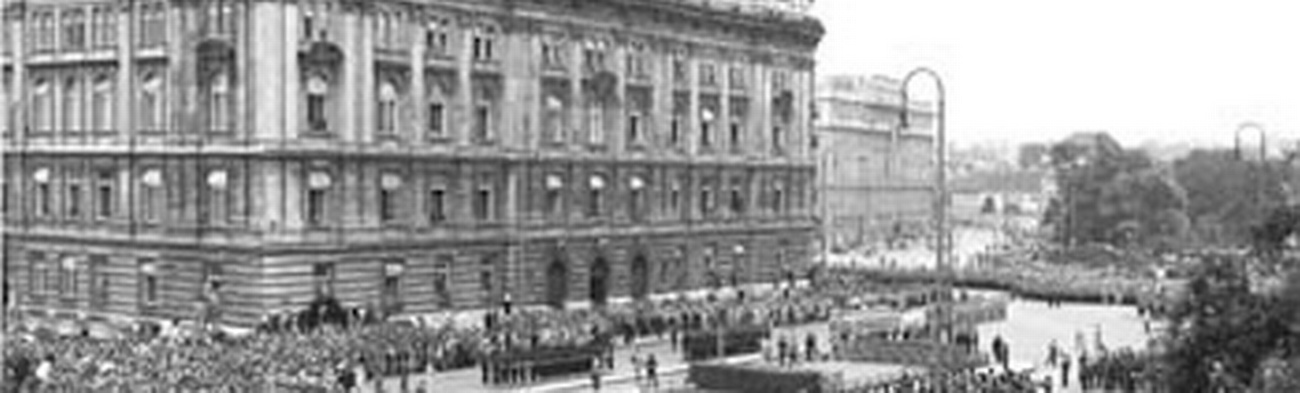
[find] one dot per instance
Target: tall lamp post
(941, 151)
(1263, 140)
(942, 238)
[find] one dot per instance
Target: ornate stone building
(166, 157)
(878, 176)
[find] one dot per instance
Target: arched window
(219, 103)
(151, 102)
(71, 111)
(386, 112)
(102, 104)
(317, 90)
(42, 106)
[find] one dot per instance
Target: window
(634, 128)
(636, 186)
(151, 102)
(675, 198)
(778, 138)
(706, 201)
(74, 199)
(105, 197)
(553, 119)
(74, 30)
(638, 63)
(482, 123)
(554, 55)
(42, 106)
(43, 198)
(219, 103)
(595, 123)
(101, 102)
(71, 111)
(736, 78)
(68, 277)
(595, 196)
(554, 196)
(153, 21)
(36, 268)
(708, 75)
(149, 281)
(737, 200)
(706, 131)
(219, 16)
(308, 24)
(150, 195)
(675, 131)
(386, 111)
(593, 56)
(484, 40)
(778, 199)
(99, 282)
(317, 88)
(437, 120)
(680, 73)
(218, 198)
(442, 280)
(437, 205)
(483, 203)
(323, 279)
(485, 278)
(437, 39)
(318, 183)
(389, 189)
(43, 26)
(105, 27)
(736, 135)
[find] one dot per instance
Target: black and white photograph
(628, 196)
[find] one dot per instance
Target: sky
(1036, 70)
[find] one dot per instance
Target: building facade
(877, 177)
(232, 158)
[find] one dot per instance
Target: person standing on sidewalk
(1065, 370)
(651, 369)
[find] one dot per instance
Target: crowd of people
(990, 380)
(325, 346)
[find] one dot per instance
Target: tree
(1111, 195)
(1227, 196)
(1219, 332)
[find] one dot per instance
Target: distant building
(877, 179)
(415, 156)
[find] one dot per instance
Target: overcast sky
(1020, 70)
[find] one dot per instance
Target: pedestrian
(1065, 370)
(595, 377)
(651, 368)
(1053, 352)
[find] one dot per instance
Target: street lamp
(1263, 140)
(940, 180)
(941, 189)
